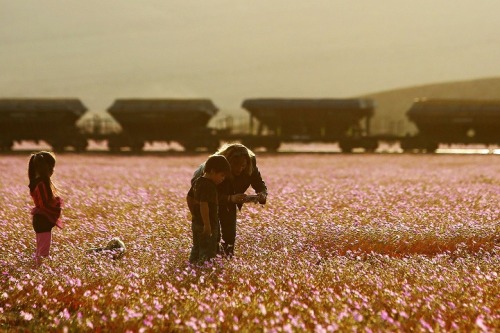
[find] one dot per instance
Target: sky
(229, 50)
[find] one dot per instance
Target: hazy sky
(228, 50)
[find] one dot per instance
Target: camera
(252, 198)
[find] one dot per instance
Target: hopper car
(149, 120)
(452, 121)
(272, 121)
(346, 121)
(51, 120)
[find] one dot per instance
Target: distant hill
(392, 105)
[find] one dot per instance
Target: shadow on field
(452, 249)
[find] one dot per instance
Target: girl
(47, 210)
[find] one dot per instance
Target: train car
(61, 123)
(453, 121)
(163, 120)
(37, 119)
(273, 121)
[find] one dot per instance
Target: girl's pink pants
(43, 240)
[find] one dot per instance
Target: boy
(203, 203)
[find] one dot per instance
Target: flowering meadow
(362, 243)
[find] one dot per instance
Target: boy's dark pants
(204, 248)
(228, 229)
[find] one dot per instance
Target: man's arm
(258, 184)
(256, 179)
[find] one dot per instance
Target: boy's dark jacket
(235, 184)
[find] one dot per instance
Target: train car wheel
(189, 147)
(431, 147)
(81, 145)
(213, 146)
(58, 147)
(114, 144)
(273, 148)
(137, 146)
(6, 145)
(114, 148)
(370, 145)
(345, 146)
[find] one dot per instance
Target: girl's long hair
(235, 150)
(41, 165)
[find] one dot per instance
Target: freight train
(271, 123)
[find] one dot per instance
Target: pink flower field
(363, 243)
